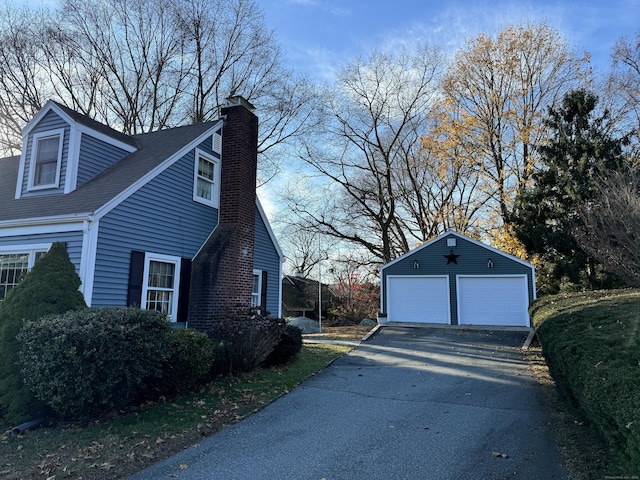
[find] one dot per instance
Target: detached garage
(455, 280)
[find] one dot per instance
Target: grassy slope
(591, 344)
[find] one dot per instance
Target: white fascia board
(105, 138)
(88, 259)
(272, 235)
(118, 199)
(34, 226)
(463, 237)
(50, 105)
(73, 160)
(21, 166)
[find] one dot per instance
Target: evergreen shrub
(84, 363)
(191, 357)
(51, 287)
(288, 347)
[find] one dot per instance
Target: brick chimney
(222, 272)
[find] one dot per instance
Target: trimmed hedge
(84, 363)
(191, 357)
(591, 342)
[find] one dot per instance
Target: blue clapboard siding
(95, 156)
(161, 217)
(473, 260)
(73, 240)
(265, 258)
(51, 121)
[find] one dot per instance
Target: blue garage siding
(472, 260)
(180, 230)
(265, 258)
(95, 156)
(73, 241)
(50, 121)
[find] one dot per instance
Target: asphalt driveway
(409, 403)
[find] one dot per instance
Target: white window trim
(29, 249)
(32, 161)
(215, 193)
(259, 274)
(158, 257)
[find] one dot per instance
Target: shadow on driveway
(410, 403)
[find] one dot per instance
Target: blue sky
(318, 36)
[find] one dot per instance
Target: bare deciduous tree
(143, 65)
(609, 227)
(369, 153)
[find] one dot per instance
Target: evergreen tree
(580, 150)
(50, 287)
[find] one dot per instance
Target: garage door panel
(493, 301)
(418, 299)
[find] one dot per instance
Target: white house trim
(150, 257)
(83, 129)
(37, 226)
(272, 236)
(122, 196)
(50, 105)
(73, 160)
(59, 132)
(88, 258)
(25, 247)
(215, 182)
(464, 237)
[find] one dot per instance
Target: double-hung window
(161, 283)
(256, 289)
(46, 159)
(206, 188)
(15, 263)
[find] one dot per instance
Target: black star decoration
(452, 257)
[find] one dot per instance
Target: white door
(418, 299)
(493, 300)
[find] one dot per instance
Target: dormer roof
(151, 153)
(74, 118)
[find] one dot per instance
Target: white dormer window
(46, 160)
(206, 188)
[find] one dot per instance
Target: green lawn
(125, 442)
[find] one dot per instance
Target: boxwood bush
(591, 343)
(191, 357)
(83, 363)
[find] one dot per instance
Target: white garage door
(493, 301)
(418, 299)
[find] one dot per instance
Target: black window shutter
(184, 289)
(263, 292)
(136, 272)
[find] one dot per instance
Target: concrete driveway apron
(409, 403)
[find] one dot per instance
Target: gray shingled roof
(153, 149)
(97, 126)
